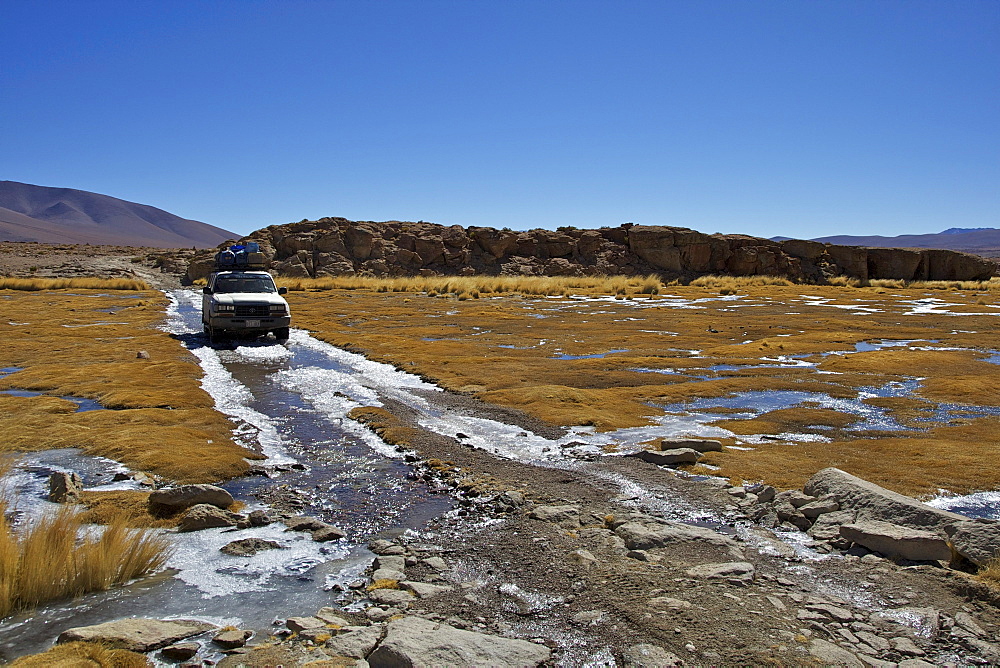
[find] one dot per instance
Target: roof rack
(240, 256)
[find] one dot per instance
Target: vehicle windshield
(244, 284)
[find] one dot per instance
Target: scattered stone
(915, 663)
(776, 603)
(565, 516)
(136, 634)
(232, 639)
(795, 498)
(669, 603)
(638, 555)
(905, 646)
(303, 623)
(589, 617)
(327, 534)
(669, 457)
(741, 571)
(394, 597)
(247, 547)
(393, 562)
(414, 641)
(356, 643)
(511, 498)
(304, 523)
(832, 655)
(380, 546)
(965, 621)
(827, 526)
(819, 507)
(181, 651)
(388, 574)
(834, 612)
(639, 536)
(437, 563)
(737, 492)
(897, 541)
(379, 614)
(142, 355)
(871, 639)
(425, 589)
(331, 617)
(206, 516)
(765, 493)
(583, 558)
(65, 487)
(699, 444)
(186, 496)
(259, 518)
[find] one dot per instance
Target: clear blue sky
(801, 118)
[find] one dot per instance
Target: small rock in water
(232, 639)
(248, 547)
(65, 487)
(181, 651)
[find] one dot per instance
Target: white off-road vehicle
(243, 303)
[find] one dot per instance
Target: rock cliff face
(336, 246)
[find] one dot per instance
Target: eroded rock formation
(336, 246)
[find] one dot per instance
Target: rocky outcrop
(336, 246)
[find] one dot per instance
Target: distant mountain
(65, 215)
(983, 241)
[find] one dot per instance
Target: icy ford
(243, 304)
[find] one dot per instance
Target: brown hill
(65, 215)
(336, 246)
(981, 241)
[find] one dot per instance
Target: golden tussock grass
(508, 351)
(475, 286)
(52, 557)
(737, 282)
(159, 418)
(128, 506)
(83, 283)
(83, 655)
(989, 573)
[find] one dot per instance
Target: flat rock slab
(414, 641)
(699, 444)
(564, 516)
(829, 654)
(669, 457)
(356, 643)
(645, 536)
(648, 656)
(734, 570)
(897, 541)
(137, 634)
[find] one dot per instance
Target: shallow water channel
(288, 401)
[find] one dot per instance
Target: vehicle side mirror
(206, 290)
(282, 291)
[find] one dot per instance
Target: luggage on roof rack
(240, 256)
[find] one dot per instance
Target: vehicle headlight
(277, 309)
(224, 308)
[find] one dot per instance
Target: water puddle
(82, 403)
(595, 356)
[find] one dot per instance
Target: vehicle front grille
(252, 310)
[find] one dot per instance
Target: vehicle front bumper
(248, 325)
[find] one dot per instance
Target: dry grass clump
(83, 283)
(484, 285)
(989, 573)
(53, 558)
(83, 655)
(733, 283)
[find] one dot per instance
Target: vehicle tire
(215, 336)
(281, 334)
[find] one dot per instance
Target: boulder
(65, 487)
(870, 502)
(897, 541)
(814, 509)
(356, 643)
(565, 516)
(186, 496)
(304, 623)
(976, 540)
(331, 617)
(304, 523)
(391, 561)
(829, 654)
(136, 634)
(232, 638)
(205, 516)
(669, 457)
(181, 651)
(827, 525)
(425, 589)
(645, 536)
(414, 641)
(327, 533)
(391, 597)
